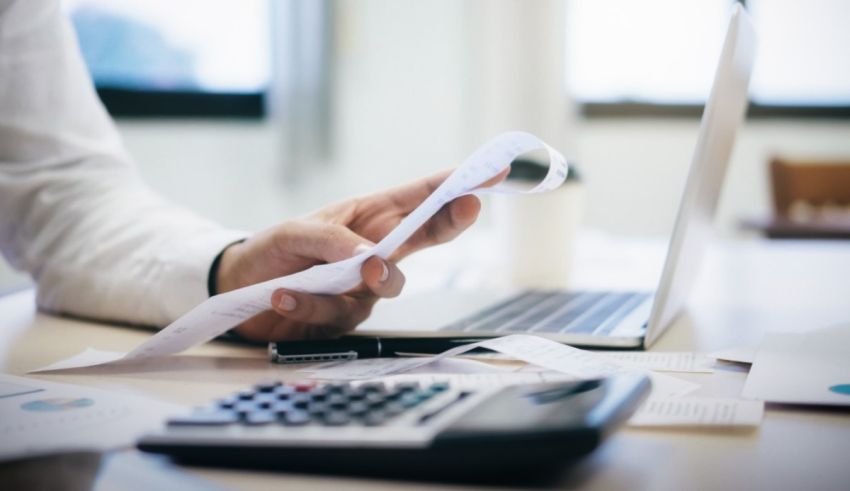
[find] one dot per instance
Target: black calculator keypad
(299, 404)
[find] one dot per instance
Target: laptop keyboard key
(592, 319)
(572, 310)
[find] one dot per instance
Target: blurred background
(254, 111)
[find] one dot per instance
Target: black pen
(358, 347)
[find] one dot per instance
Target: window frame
(604, 110)
(131, 103)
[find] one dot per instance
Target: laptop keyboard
(554, 312)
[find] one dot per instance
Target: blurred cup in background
(537, 232)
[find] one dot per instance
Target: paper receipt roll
(225, 311)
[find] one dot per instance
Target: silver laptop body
(606, 319)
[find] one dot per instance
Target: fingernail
(287, 303)
(385, 272)
(361, 249)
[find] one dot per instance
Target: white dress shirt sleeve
(74, 212)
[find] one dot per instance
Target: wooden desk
(746, 289)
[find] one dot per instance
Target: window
(658, 56)
(186, 58)
(804, 52)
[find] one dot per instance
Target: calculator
(404, 430)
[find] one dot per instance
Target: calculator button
(424, 395)
(280, 408)
(304, 386)
(375, 418)
(243, 408)
(245, 395)
(373, 387)
(283, 391)
(296, 418)
(300, 401)
(409, 400)
(317, 409)
(439, 387)
(357, 395)
(260, 418)
(337, 388)
(337, 401)
(265, 399)
(336, 418)
(266, 386)
(406, 386)
(227, 403)
(205, 418)
(394, 409)
(374, 400)
(319, 397)
(357, 408)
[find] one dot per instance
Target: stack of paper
(802, 368)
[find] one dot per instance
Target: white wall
(633, 168)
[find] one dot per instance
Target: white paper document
(531, 349)
(664, 361)
(88, 358)
(554, 356)
(802, 368)
(736, 354)
(698, 412)
(225, 311)
(479, 380)
(39, 417)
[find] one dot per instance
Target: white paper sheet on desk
(802, 368)
(697, 412)
(88, 358)
(479, 380)
(736, 354)
(222, 312)
(531, 349)
(51, 417)
(664, 361)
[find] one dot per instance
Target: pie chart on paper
(57, 404)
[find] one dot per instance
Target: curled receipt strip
(225, 311)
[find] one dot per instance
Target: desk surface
(745, 289)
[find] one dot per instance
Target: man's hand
(331, 234)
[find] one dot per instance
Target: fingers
(317, 240)
(269, 326)
(383, 278)
(445, 225)
(409, 196)
(453, 219)
(299, 315)
(344, 311)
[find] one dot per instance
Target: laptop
(597, 318)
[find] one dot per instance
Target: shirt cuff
(185, 280)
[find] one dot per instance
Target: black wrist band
(212, 277)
